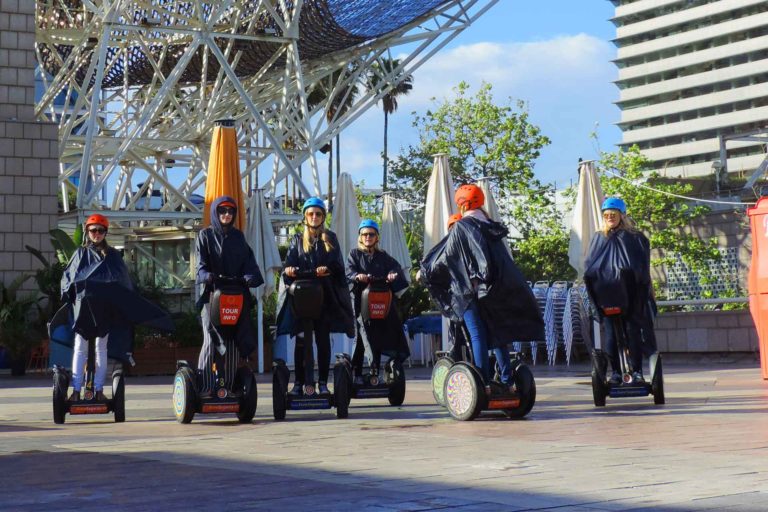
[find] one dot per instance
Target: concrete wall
(706, 331)
(28, 148)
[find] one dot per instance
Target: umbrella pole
(260, 334)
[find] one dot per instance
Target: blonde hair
(362, 247)
(307, 238)
(625, 223)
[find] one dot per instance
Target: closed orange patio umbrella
(224, 171)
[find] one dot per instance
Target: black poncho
(472, 265)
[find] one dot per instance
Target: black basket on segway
(613, 298)
(227, 304)
(307, 299)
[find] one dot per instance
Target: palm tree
(403, 84)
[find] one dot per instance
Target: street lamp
(717, 168)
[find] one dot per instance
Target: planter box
(161, 360)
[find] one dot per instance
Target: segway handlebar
(308, 274)
(222, 280)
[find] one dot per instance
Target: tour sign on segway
(462, 389)
(307, 299)
(239, 396)
(376, 304)
(614, 305)
(89, 403)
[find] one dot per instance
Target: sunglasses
(368, 234)
(225, 210)
(609, 215)
(100, 231)
(315, 214)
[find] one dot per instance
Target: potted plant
(18, 331)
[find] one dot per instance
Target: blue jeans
(478, 338)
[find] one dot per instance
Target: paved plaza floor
(707, 449)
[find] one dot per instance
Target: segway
(226, 307)
(307, 299)
(376, 304)
(88, 404)
(464, 389)
(614, 303)
(445, 359)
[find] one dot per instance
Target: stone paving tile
(705, 450)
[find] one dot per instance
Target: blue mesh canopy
(373, 18)
(326, 26)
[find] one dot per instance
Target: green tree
(656, 211)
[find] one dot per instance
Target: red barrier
(758, 277)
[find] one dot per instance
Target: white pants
(79, 358)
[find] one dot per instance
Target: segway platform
(310, 399)
(240, 400)
(88, 404)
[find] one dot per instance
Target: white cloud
(566, 83)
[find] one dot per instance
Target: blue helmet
(614, 203)
(313, 202)
(368, 223)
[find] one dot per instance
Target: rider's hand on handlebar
(391, 276)
(322, 271)
(362, 278)
(290, 271)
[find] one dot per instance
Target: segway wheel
(246, 383)
(439, 372)
(341, 386)
(525, 385)
(396, 383)
(60, 386)
(184, 395)
(657, 383)
(118, 396)
(279, 390)
(464, 392)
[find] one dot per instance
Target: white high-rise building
(690, 72)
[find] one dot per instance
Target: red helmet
(97, 219)
(469, 197)
(452, 219)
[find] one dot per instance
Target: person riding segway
(100, 309)
(376, 280)
(472, 277)
(316, 303)
(618, 281)
(226, 269)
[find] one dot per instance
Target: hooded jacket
(225, 253)
(387, 335)
(337, 309)
(472, 265)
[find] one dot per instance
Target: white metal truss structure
(136, 86)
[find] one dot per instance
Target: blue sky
(554, 55)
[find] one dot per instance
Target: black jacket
(472, 265)
(618, 272)
(385, 336)
(224, 253)
(99, 299)
(337, 309)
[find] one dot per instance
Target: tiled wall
(28, 148)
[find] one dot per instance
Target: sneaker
(359, 380)
(74, 397)
(637, 378)
(100, 396)
(297, 389)
(615, 378)
(322, 388)
(498, 388)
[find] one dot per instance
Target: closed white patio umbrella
(438, 208)
(346, 217)
(586, 215)
(393, 235)
(261, 239)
